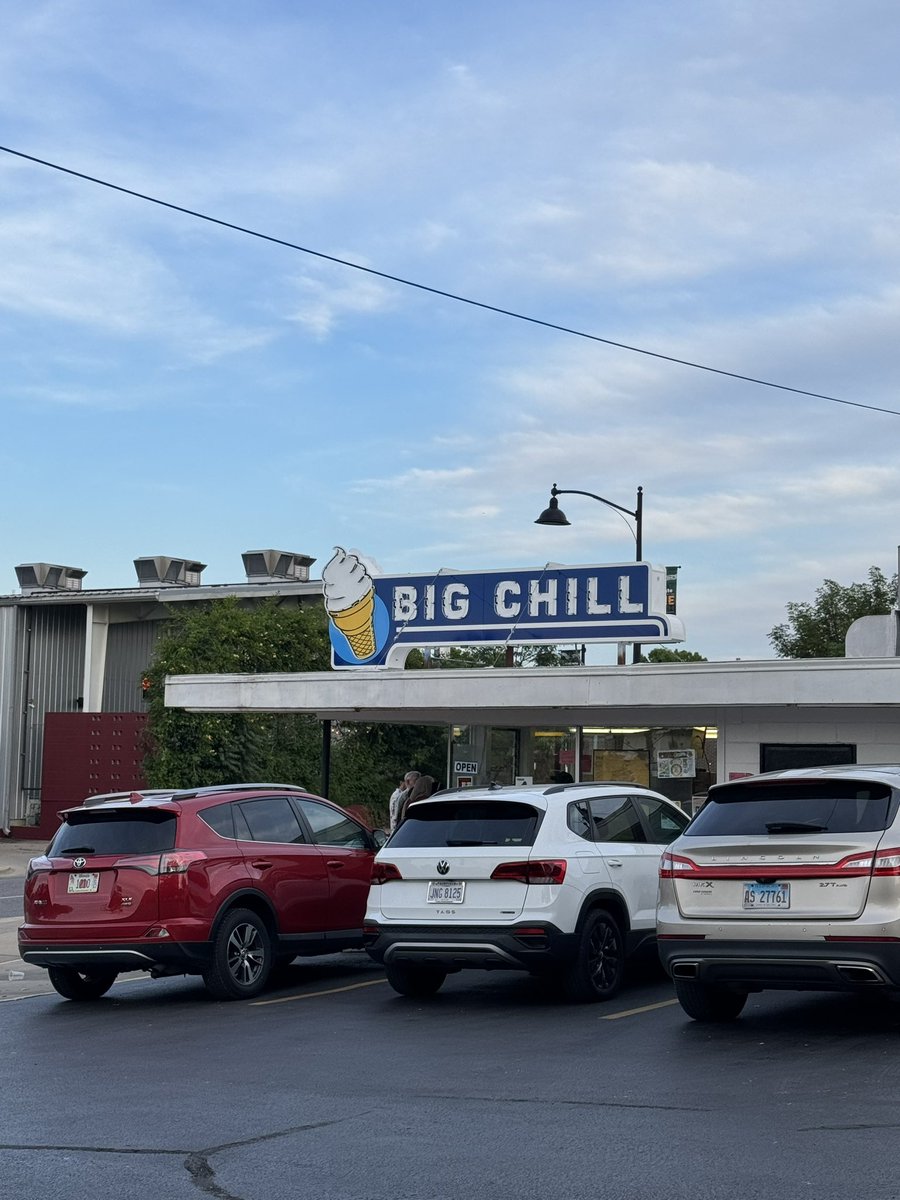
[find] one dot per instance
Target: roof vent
(42, 577)
(161, 571)
(268, 566)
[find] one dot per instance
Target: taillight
(37, 866)
(887, 862)
(673, 866)
(176, 862)
(539, 871)
(384, 872)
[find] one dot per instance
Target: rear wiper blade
(795, 827)
(466, 842)
(70, 850)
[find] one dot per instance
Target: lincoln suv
(785, 880)
(558, 881)
(221, 882)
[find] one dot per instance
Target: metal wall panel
(10, 718)
(52, 676)
(129, 649)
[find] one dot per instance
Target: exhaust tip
(855, 973)
(685, 970)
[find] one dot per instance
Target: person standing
(399, 794)
(423, 787)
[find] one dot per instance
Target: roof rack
(213, 788)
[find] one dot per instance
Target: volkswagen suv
(785, 880)
(558, 880)
(221, 882)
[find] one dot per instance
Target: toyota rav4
(221, 882)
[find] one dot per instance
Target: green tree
(186, 749)
(818, 629)
(662, 654)
(458, 657)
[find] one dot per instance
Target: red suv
(222, 882)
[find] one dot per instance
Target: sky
(716, 181)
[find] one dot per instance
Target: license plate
(88, 881)
(446, 892)
(767, 896)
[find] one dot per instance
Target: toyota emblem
(443, 867)
(79, 862)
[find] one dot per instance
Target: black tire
(241, 958)
(707, 1002)
(414, 979)
(82, 985)
(598, 969)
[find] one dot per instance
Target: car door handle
(335, 862)
(261, 864)
(614, 862)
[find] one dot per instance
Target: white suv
(558, 880)
(785, 880)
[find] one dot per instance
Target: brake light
(176, 862)
(36, 866)
(539, 871)
(384, 872)
(673, 866)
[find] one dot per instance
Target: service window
(332, 828)
(272, 820)
(614, 819)
(663, 822)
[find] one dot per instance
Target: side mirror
(380, 836)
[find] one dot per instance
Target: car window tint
(613, 819)
(272, 820)
(332, 828)
(578, 818)
(241, 828)
(456, 822)
(824, 806)
(220, 819)
(118, 831)
(664, 822)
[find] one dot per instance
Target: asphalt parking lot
(331, 1085)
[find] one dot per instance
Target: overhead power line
(434, 291)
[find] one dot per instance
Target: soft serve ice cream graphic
(350, 601)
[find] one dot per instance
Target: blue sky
(715, 181)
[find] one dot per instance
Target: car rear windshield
(121, 831)
(766, 809)
(455, 823)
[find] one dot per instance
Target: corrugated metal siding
(10, 707)
(129, 649)
(52, 669)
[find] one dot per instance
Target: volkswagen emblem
(443, 867)
(80, 862)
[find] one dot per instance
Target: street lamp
(554, 515)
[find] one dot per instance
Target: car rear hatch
(460, 861)
(100, 876)
(776, 850)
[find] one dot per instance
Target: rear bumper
(840, 965)
(164, 958)
(537, 947)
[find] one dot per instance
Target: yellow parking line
(351, 987)
(633, 1012)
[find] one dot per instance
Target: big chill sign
(623, 602)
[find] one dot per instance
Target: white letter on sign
(455, 601)
(537, 598)
(503, 605)
(594, 607)
(625, 605)
(405, 607)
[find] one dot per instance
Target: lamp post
(554, 515)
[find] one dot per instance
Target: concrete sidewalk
(14, 856)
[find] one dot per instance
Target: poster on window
(675, 764)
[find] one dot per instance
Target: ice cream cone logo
(350, 601)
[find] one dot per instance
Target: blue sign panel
(375, 620)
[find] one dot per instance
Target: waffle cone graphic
(357, 624)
